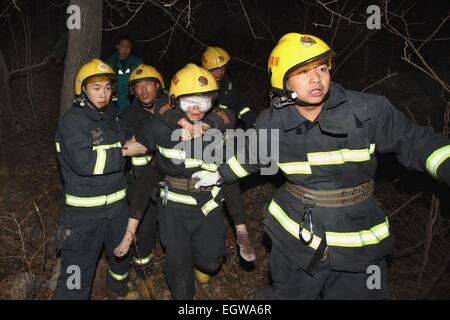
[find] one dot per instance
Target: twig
(379, 81)
(390, 215)
(433, 213)
(44, 237)
(128, 21)
(249, 23)
(24, 256)
(115, 8)
(338, 14)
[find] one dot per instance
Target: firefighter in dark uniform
(190, 220)
(147, 85)
(326, 227)
(215, 60)
(91, 146)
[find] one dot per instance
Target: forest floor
(31, 201)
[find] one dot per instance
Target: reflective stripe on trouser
(81, 235)
(292, 283)
(338, 239)
(95, 201)
(181, 198)
(144, 260)
(435, 160)
(118, 277)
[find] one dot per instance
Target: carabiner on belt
(308, 203)
(165, 192)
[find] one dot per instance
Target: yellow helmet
(192, 79)
(144, 71)
(214, 57)
(293, 51)
(94, 68)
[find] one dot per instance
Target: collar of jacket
(94, 114)
(138, 107)
(118, 65)
(291, 118)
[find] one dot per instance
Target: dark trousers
(146, 237)
(191, 240)
(235, 205)
(293, 283)
(141, 196)
(80, 239)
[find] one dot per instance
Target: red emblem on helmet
(220, 59)
(139, 71)
(307, 41)
(203, 81)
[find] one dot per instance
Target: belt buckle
(308, 201)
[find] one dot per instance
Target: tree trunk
(7, 119)
(83, 45)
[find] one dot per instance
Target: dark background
(33, 40)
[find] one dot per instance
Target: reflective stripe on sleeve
(236, 167)
(436, 158)
(243, 111)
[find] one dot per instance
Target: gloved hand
(207, 178)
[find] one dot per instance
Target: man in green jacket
(123, 62)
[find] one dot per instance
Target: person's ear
(117, 47)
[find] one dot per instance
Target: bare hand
(133, 148)
(190, 130)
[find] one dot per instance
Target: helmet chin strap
(85, 100)
(289, 98)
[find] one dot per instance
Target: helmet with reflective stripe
(294, 51)
(144, 71)
(214, 57)
(93, 69)
(192, 79)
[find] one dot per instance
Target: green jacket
(123, 74)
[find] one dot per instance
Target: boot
(201, 277)
(245, 247)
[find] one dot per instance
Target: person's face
(310, 84)
(218, 73)
(99, 92)
(124, 49)
(146, 91)
(194, 114)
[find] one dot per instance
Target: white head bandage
(203, 103)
